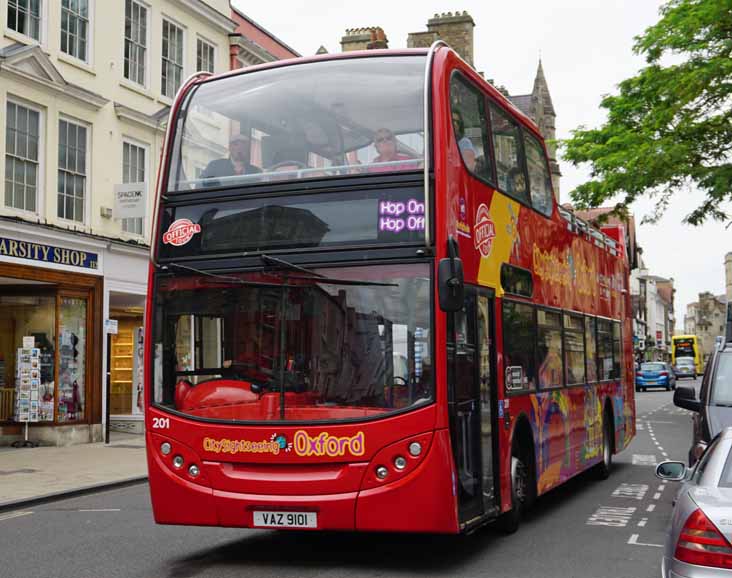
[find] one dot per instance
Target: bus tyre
(521, 494)
(602, 470)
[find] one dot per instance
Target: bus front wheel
(521, 493)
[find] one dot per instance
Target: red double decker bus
(366, 310)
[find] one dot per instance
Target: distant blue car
(655, 374)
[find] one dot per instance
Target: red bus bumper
(420, 500)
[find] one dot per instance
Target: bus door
(471, 387)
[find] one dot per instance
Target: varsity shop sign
(47, 253)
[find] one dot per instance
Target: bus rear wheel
(602, 470)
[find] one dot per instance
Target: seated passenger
(467, 150)
(235, 164)
(386, 145)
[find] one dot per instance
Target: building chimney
(455, 29)
(363, 39)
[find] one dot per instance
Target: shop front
(51, 297)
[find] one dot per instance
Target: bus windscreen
(684, 348)
(312, 120)
(256, 347)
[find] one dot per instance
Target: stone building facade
(457, 30)
(705, 318)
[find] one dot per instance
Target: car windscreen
(322, 119)
(722, 385)
(653, 367)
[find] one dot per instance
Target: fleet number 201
(161, 422)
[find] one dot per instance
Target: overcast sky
(585, 48)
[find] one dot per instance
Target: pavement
(35, 475)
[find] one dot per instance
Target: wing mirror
(450, 280)
(686, 397)
(671, 471)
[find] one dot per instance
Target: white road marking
(642, 523)
(636, 491)
(607, 516)
(657, 495)
(101, 510)
(651, 507)
(660, 449)
(634, 541)
(644, 460)
(12, 515)
(662, 487)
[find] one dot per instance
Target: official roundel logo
(484, 231)
(180, 232)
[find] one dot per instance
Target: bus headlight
(382, 472)
(400, 462)
(178, 461)
(165, 448)
(194, 471)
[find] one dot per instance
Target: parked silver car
(699, 543)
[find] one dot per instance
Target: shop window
(470, 127)
(605, 349)
(549, 348)
(509, 156)
(519, 338)
(574, 349)
(542, 198)
(27, 316)
(126, 365)
(591, 349)
(72, 359)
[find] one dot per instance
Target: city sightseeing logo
(180, 232)
(305, 445)
(484, 231)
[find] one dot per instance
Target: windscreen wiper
(221, 278)
(269, 260)
(320, 278)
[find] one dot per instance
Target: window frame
(126, 140)
(88, 60)
(203, 41)
(559, 312)
(174, 23)
(523, 390)
(582, 317)
(41, 163)
(599, 318)
(22, 36)
(487, 136)
(526, 134)
(505, 268)
(519, 152)
(146, 57)
(86, 202)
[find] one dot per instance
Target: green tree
(670, 126)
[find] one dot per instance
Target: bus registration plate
(264, 519)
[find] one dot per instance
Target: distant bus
(687, 346)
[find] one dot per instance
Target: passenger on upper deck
(386, 145)
(236, 164)
(467, 150)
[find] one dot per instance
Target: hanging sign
(130, 200)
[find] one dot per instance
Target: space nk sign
(130, 200)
